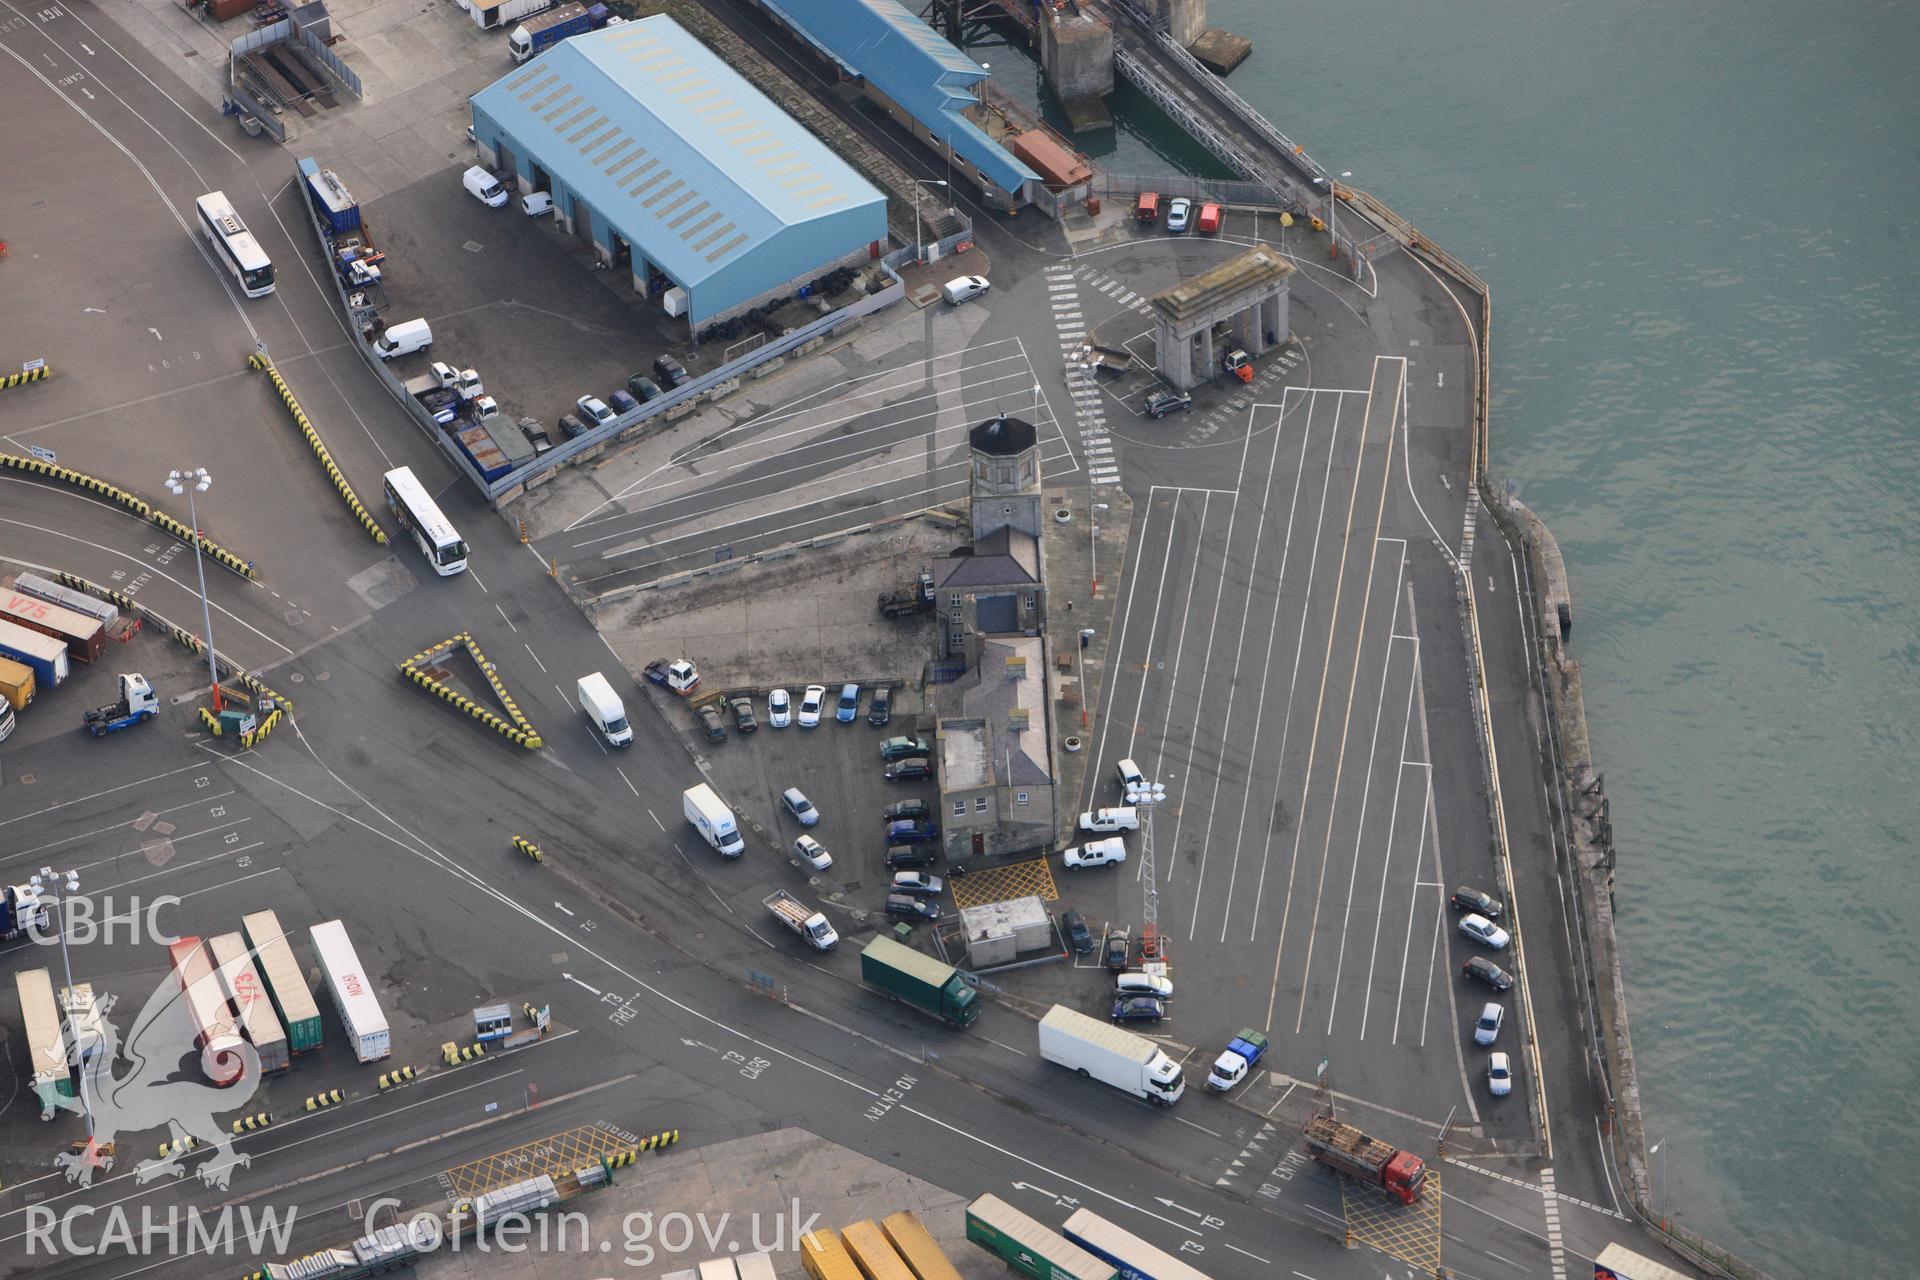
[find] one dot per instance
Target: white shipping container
(248, 995)
(353, 996)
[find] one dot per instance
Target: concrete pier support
(1246, 295)
(1185, 19)
(1076, 49)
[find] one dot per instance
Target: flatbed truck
(812, 926)
(1346, 1150)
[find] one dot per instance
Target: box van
(403, 339)
(604, 711)
(535, 203)
(1125, 818)
(484, 187)
(1147, 207)
(963, 288)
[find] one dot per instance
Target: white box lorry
(714, 821)
(604, 710)
(352, 993)
(810, 925)
(1110, 1055)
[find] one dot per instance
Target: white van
(536, 203)
(964, 288)
(604, 711)
(403, 339)
(1125, 818)
(1130, 775)
(484, 187)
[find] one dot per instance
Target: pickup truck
(1233, 1065)
(810, 925)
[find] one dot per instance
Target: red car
(1209, 221)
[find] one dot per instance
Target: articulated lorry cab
(714, 821)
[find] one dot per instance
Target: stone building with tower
(993, 734)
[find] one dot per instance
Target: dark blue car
(912, 831)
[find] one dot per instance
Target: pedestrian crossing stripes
(1466, 538)
(1116, 290)
(1545, 1187)
(1069, 322)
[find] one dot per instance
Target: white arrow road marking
(576, 982)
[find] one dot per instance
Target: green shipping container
(1028, 1247)
(919, 980)
(292, 999)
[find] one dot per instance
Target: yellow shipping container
(917, 1247)
(872, 1254)
(824, 1258)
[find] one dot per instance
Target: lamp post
(190, 483)
(921, 182)
(1333, 210)
(66, 964)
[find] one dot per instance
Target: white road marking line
(504, 618)
(536, 659)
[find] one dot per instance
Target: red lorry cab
(1147, 207)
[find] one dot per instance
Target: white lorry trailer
(352, 993)
(810, 925)
(714, 821)
(604, 710)
(1110, 1055)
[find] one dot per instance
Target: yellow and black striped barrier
(533, 1014)
(208, 547)
(660, 1141)
(178, 1146)
(261, 728)
(210, 720)
(398, 1076)
(325, 1098)
(35, 374)
(454, 1054)
(319, 447)
(529, 848)
(516, 729)
(67, 475)
(618, 1159)
(247, 1124)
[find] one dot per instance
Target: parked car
(1098, 853)
(1130, 775)
(1484, 931)
(743, 714)
(643, 388)
(912, 831)
(810, 703)
(1481, 969)
(849, 709)
(900, 748)
(1114, 948)
(1479, 902)
(1209, 220)
(907, 809)
(1487, 1029)
(812, 852)
(911, 769)
(1074, 927)
(1124, 818)
(671, 371)
(594, 410)
(880, 708)
(572, 426)
(1134, 983)
(536, 436)
(779, 708)
(622, 402)
(1166, 400)
(909, 857)
(1179, 214)
(1140, 1008)
(918, 882)
(964, 289)
(799, 806)
(710, 722)
(1499, 1075)
(907, 907)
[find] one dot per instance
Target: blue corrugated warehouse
(668, 162)
(917, 73)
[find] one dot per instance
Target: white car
(1142, 984)
(1487, 1030)
(799, 806)
(810, 704)
(1130, 777)
(595, 408)
(779, 709)
(812, 852)
(1483, 930)
(1125, 818)
(1098, 853)
(1499, 1075)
